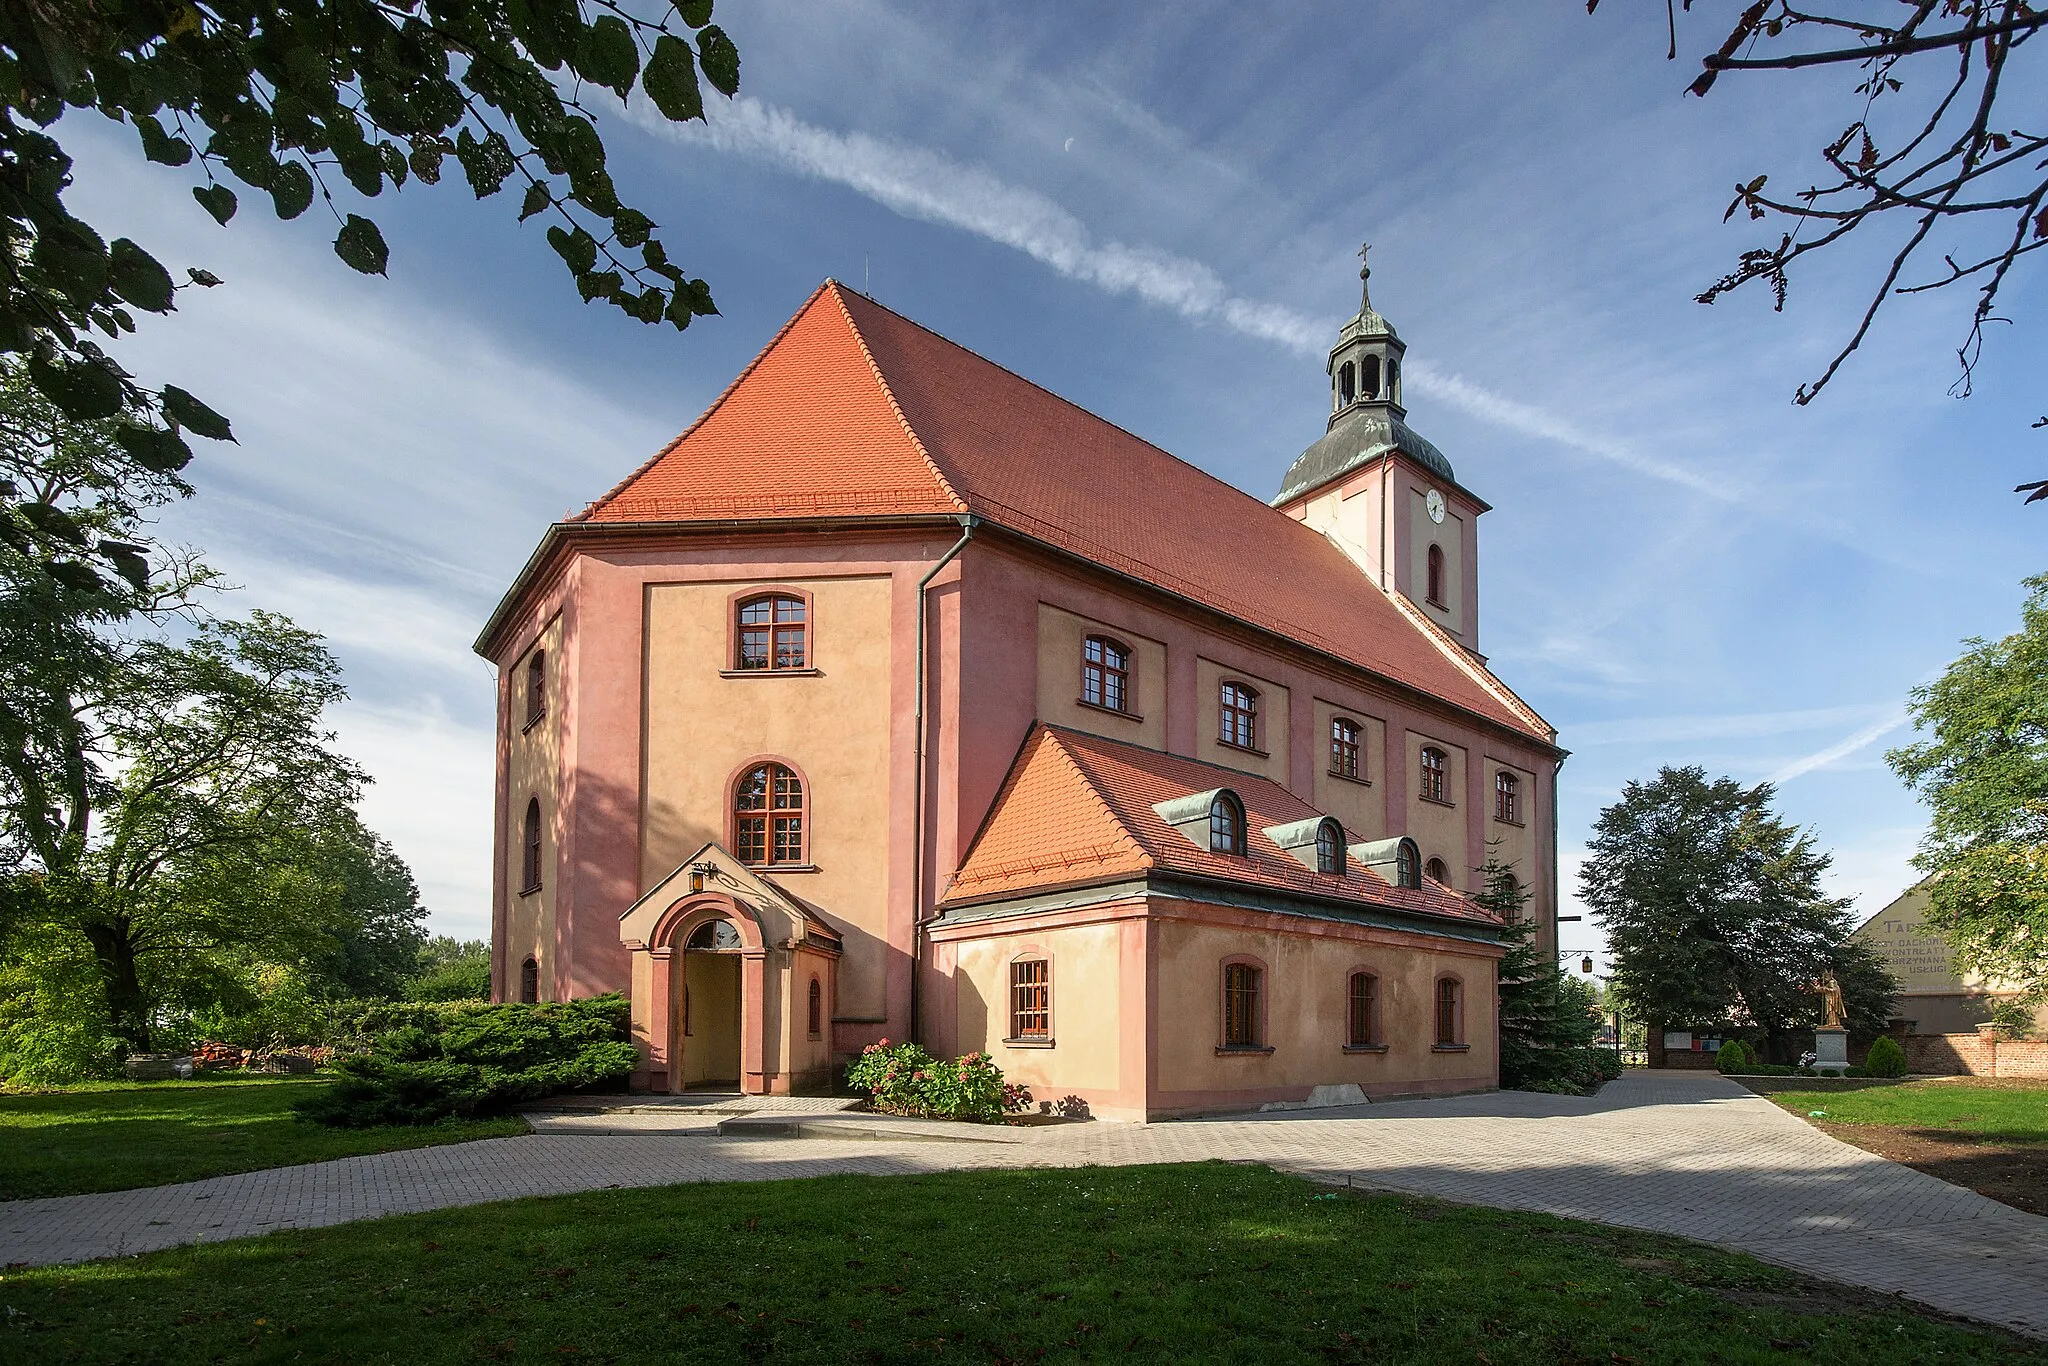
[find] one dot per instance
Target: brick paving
(1682, 1153)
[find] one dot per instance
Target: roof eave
(582, 530)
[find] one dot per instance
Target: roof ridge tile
(737, 380)
(839, 293)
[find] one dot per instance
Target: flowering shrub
(903, 1079)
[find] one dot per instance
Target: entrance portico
(787, 958)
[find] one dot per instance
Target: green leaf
(578, 248)
(426, 155)
(700, 298)
(670, 80)
(82, 389)
(190, 413)
(607, 54)
(632, 227)
(547, 29)
(217, 200)
(154, 448)
(696, 13)
(128, 561)
(77, 577)
(159, 146)
(486, 160)
(205, 279)
(648, 306)
(74, 258)
(537, 201)
(720, 58)
(52, 521)
(291, 189)
(138, 278)
(361, 246)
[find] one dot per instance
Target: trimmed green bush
(433, 1063)
(1886, 1059)
(1734, 1056)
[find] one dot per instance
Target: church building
(900, 698)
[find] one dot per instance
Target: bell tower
(1382, 494)
(1365, 364)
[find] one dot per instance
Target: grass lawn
(1998, 1112)
(118, 1135)
(1208, 1262)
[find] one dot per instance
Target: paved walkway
(1682, 1153)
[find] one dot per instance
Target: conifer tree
(1546, 1024)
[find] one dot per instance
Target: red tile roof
(1077, 810)
(855, 409)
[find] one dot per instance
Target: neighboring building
(1933, 997)
(899, 697)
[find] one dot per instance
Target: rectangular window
(1344, 747)
(1447, 1011)
(1240, 1006)
(1031, 999)
(1364, 990)
(789, 839)
(1504, 794)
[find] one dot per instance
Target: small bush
(1734, 1057)
(433, 1063)
(1852, 1070)
(1886, 1059)
(903, 1079)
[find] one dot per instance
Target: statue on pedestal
(1830, 992)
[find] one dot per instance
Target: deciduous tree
(315, 105)
(1943, 149)
(1983, 772)
(1713, 908)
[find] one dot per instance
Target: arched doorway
(709, 1007)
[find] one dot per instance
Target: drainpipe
(968, 524)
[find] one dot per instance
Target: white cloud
(1841, 749)
(1741, 725)
(432, 799)
(926, 185)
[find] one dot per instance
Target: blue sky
(1154, 211)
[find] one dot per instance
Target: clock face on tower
(1435, 504)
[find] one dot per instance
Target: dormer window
(1406, 871)
(1330, 848)
(1226, 824)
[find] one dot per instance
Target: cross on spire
(1364, 279)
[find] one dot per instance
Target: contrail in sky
(919, 183)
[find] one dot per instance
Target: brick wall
(1981, 1054)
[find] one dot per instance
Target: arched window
(772, 633)
(1363, 1013)
(1031, 998)
(1436, 575)
(1105, 674)
(1347, 383)
(817, 1009)
(536, 686)
(1226, 824)
(1407, 872)
(1393, 381)
(1435, 780)
(768, 810)
(1507, 804)
(1242, 1025)
(1438, 871)
(1344, 748)
(529, 862)
(1511, 889)
(715, 936)
(1369, 377)
(1450, 1012)
(529, 981)
(1238, 716)
(1330, 848)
